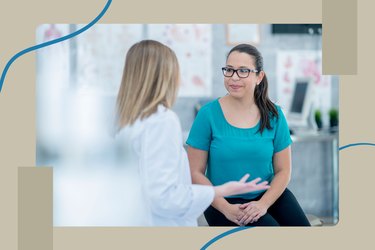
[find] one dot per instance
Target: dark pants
(284, 212)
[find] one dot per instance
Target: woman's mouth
(235, 87)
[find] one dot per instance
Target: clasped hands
(251, 212)
(243, 214)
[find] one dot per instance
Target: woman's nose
(235, 76)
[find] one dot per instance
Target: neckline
(226, 121)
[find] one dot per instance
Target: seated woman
(244, 132)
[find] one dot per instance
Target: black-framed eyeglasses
(241, 73)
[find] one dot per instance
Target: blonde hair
(150, 78)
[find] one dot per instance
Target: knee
(287, 194)
(265, 221)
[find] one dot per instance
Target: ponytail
(266, 107)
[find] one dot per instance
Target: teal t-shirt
(232, 151)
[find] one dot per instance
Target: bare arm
(282, 165)
(198, 162)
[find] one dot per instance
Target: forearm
(219, 202)
(277, 187)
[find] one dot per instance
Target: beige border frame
(231, 42)
(18, 123)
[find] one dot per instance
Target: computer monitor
(301, 103)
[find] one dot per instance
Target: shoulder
(209, 107)
(278, 109)
(162, 122)
(162, 116)
(280, 114)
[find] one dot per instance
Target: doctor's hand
(240, 187)
(252, 211)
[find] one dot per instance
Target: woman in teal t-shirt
(244, 132)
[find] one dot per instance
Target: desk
(333, 138)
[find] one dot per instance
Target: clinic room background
(95, 177)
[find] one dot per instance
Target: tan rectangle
(197, 11)
(339, 37)
(35, 208)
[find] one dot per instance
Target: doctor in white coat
(148, 90)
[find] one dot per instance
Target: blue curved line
(2, 79)
(243, 228)
(357, 144)
(237, 229)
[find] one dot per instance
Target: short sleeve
(282, 135)
(201, 133)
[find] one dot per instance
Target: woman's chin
(236, 94)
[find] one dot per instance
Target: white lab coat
(169, 197)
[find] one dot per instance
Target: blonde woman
(147, 92)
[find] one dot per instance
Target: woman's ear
(260, 77)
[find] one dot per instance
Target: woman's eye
(244, 70)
